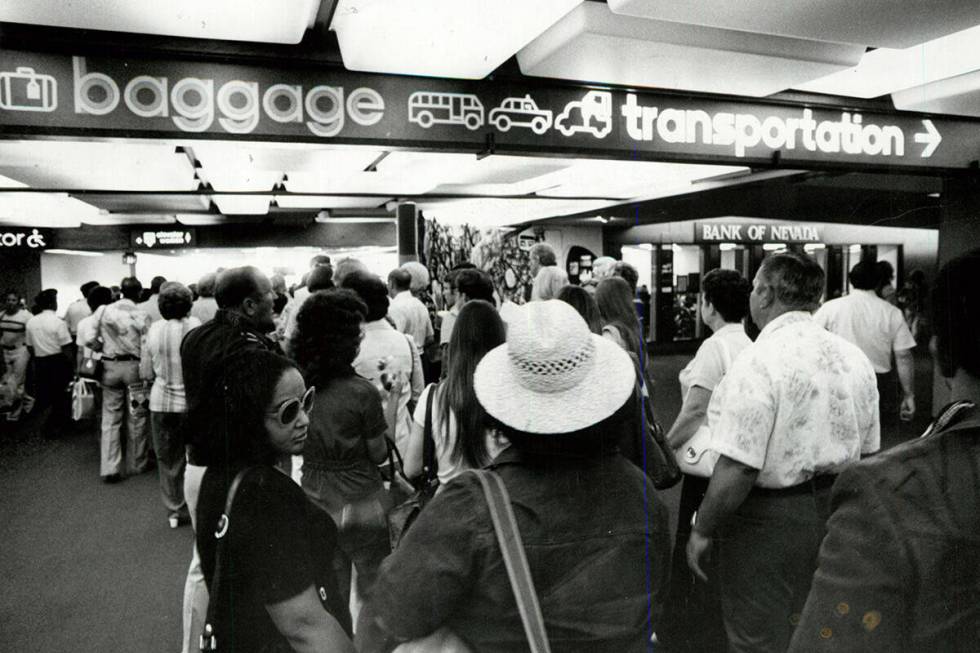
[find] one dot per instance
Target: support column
(408, 236)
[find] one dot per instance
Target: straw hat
(553, 375)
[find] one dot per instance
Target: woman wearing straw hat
(595, 533)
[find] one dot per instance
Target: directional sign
(163, 238)
(99, 96)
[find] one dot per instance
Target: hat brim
(601, 393)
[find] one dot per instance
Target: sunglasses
(288, 411)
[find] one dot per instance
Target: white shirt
(204, 309)
(77, 311)
(714, 358)
(445, 438)
(871, 323)
(123, 326)
(151, 307)
(447, 324)
(411, 317)
(798, 402)
(382, 343)
(47, 334)
(86, 333)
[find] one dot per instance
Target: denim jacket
(597, 541)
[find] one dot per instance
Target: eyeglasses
(288, 411)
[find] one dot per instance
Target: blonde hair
(548, 283)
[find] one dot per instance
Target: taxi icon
(521, 112)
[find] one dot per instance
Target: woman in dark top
(278, 592)
(594, 530)
(348, 431)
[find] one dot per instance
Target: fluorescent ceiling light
(360, 182)
(242, 204)
(238, 20)
(327, 202)
(878, 23)
(200, 219)
(593, 44)
(324, 217)
(104, 219)
(774, 247)
(72, 252)
(285, 157)
(439, 38)
(232, 179)
(886, 71)
(493, 212)
(627, 179)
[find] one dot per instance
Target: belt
(120, 359)
(819, 482)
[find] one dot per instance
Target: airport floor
(89, 567)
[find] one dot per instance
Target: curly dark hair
(328, 334)
(372, 291)
(728, 292)
(246, 387)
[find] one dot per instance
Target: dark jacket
(899, 569)
(203, 353)
(598, 545)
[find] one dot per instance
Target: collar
(786, 319)
(728, 328)
(127, 302)
(403, 293)
(861, 292)
(48, 310)
(378, 325)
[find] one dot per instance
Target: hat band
(550, 375)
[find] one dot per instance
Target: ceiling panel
(103, 219)
(487, 212)
(91, 165)
(284, 21)
(593, 44)
(242, 204)
(439, 38)
(877, 23)
(328, 202)
(958, 96)
(43, 210)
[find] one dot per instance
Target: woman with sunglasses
(278, 588)
(348, 432)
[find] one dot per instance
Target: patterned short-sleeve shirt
(798, 402)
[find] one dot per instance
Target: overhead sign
(24, 238)
(163, 238)
(81, 95)
(718, 232)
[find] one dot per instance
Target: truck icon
(521, 112)
(26, 90)
(426, 109)
(592, 114)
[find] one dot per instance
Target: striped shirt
(13, 328)
(161, 361)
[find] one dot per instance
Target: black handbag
(410, 498)
(659, 461)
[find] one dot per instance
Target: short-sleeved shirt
(47, 334)
(151, 307)
(123, 326)
(871, 323)
(347, 414)
(715, 356)
(445, 437)
(382, 343)
(13, 328)
(204, 309)
(77, 311)
(161, 354)
(278, 545)
(798, 402)
(411, 317)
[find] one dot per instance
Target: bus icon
(426, 109)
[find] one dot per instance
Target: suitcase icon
(26, 90)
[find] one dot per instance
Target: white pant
(16, 361)
(195, 590)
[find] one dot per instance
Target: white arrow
(930, 137)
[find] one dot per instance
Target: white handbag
(82, 400)
(695, 457)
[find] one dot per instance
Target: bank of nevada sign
(727, 232)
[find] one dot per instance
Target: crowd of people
(281, 422)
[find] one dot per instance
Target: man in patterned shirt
(798, 406)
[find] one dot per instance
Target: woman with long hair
(277, 590)
(348, 431)
(462, 440)
(582, 301)
(619, 320)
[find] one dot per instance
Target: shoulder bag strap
(430, 466)
(209, 640)
(512, 548)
